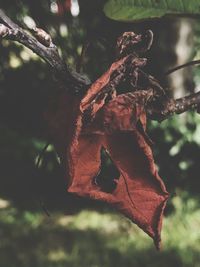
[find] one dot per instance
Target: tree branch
(169, 106)
(12, 31)
(160, 108)
(49, 54)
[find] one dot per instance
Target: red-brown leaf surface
(96, 87)
(119, 128)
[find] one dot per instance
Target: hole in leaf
(108, 174)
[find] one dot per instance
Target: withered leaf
(95, 96)
(140, 193)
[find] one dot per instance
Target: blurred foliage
(27, 237)
(132, 10)
(91, 239)
(177, 147)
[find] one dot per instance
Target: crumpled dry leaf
(116, 127)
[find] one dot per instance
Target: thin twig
(188, 64)
(81, 58)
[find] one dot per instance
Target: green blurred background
(80, 232)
